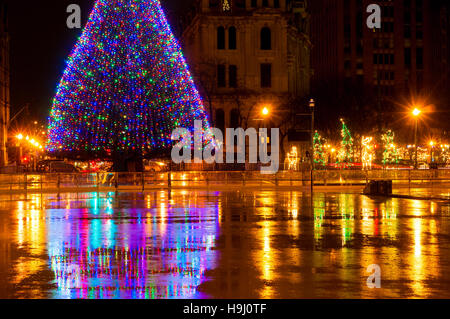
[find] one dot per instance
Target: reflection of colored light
(114, 256)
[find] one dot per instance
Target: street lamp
(431, 151)
(312, 105)
(416, 112)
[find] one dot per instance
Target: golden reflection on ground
(244, 244)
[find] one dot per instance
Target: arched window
(232, 38)
(266, 39)
(221, 38)
(220, 120)
(234, 118)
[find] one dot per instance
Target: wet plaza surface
(232, 244)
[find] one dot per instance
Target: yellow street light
(431, 143)
(265, 111)
(20, 137)
(416, 112)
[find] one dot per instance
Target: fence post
(42, 175)
(143, 181)
(116, 181)
(169, 179)
(58, 182)
(25, 183)
(98, 182)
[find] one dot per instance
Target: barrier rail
(86, 182)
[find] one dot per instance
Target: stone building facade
(248, 55)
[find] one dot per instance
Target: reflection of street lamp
(431, 151)
(416, 112)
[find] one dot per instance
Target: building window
(232, 38)
(232, 74)
(221, 38)
(266, 39)
(407, 31)
(220, 119)
(276, 3)
(419, 33)
(254, 4)
(266, 75)
(347, 65)
(419, 59)
(213, 3)
(221, 76)
(408, 57)
(240, 4)
(265, 3)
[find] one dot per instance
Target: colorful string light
(126, 86)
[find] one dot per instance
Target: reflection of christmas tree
(345, 154)
(390, 154)
(126, 86)
(319, 156)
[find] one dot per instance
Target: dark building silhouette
(366, 73)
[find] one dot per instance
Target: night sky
(40, 44)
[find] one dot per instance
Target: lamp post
(416, 112)
(265, 112)
(312, 105)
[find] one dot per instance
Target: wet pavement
(203, 244)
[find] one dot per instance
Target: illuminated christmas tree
(345, 154)
(319, 155)
(390, 154)
(126, 86)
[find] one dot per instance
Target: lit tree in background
(319, 155)
(390, 154)
(345, 154)
(126, 86)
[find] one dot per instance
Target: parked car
(61, 167)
